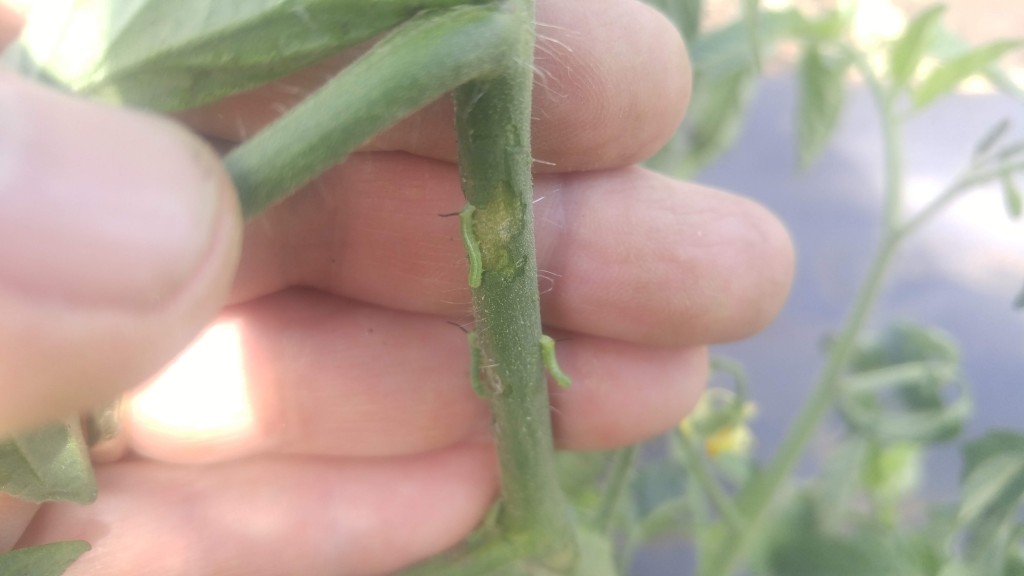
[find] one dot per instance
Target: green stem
(413, 66)
(493, 125)
(891, 139)
(489, 554)
(698, 466)
(757, 501)
(972, 179)
(618, 482)
(487, 53)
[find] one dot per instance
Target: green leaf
(801, 547)
(752, 21)
(716, 115)
(947, 44)
(994, 443)
(993, 491)
(596, 554)
(45, 560)
(685, 14)
(893, 470)
(991, 138)
(726, 51)
(173, 55)
(905, 387)
(951, 73)
(992, 497)
(580, 475)
(902, 343)
(673, 519)
(928, 546)
(1011, 195)
(840, 480)
(830, 27)
(822, 92)
(656, 483)
(50, 463)
(906, 53)
(1010, 151)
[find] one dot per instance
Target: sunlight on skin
(201, 400)
(77, 57)
(21, 6)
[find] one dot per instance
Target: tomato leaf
(716, 115)
(46, 560)
(995, 135)
(687, 15)
(951, 73)
(173, 55)
(906, 387)
(822, 93)
(50, 463)
(993, 491)
(905, 54)
(801, 546)
(1011, 195)
(752, 21)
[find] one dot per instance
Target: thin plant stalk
(618, 484)
(758, 500)
(493, 116)
(408, 69)
(705, 478)
(755, 503)
(493, 126)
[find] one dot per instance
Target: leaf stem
(698, 466)
(413, 66)
(891, 139)
(755, 503)
(488, 554)
(622, 468)
(973, 178)
(492, 117)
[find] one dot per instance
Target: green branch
(493, 127)
(618, 483)
(756, 502)
(492, 117)
(973, 178)
(413, 66)
(698, 466)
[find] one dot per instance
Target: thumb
(119, 237)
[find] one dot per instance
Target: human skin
(322, 419)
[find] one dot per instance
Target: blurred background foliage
(898, 392)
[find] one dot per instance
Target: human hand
(324, 420)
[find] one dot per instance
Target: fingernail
(100, 206)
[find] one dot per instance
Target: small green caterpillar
(476, 266)
(547, 352)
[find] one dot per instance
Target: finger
(627, 255)
(11, 21)
(15, 515)
(121, 233)
(274, 516)
(301, 372)
(612, 83)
